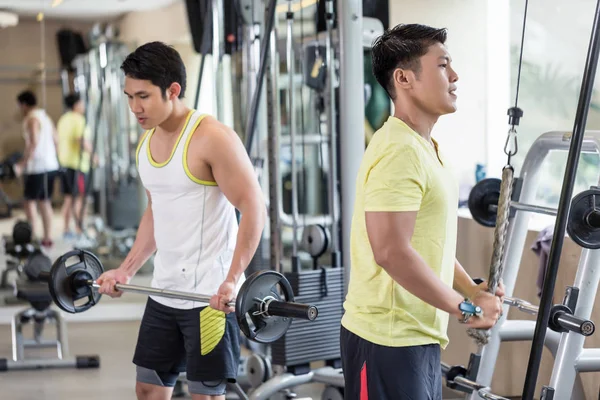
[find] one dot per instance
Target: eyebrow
(136, 93)
(445, 58)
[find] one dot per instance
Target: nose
(135, 106)
(453, 75)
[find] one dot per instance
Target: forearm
(463, 283)
(143, 247)
(248, 238)
(413, 274)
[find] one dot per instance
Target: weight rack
(566, 346)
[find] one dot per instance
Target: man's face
(435, 83)
(23, 109)
(146, 102)
(79, 107)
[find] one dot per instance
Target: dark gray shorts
(169, 344)
(374, 372)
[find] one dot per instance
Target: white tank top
(44, 158)
(195, 226)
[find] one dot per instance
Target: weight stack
(318, 340)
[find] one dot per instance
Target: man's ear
(404, 78)
(173, 91)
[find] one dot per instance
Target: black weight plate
(37, 262)
(22, 232)
(259, 285)
(63, 291)
(483, 201)
(578, 228)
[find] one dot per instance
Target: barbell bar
(264, 306)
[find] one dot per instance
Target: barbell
(263, 312)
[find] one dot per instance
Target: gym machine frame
(571, 357)
(586, 279)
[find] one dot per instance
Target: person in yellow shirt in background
(74, 149)
(405, 281)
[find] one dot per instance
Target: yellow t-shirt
(401, 171)
(71, 127)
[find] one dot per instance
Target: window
(556, 43)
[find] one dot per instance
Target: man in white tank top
(196, 173)
(39, 164)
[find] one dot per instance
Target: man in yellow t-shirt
(405, 280)
(74, 149)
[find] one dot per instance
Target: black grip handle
(575, 324)
(292, 310)
(44, 276)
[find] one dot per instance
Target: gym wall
(21, 45)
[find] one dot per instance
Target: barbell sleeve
(291, 310)
(575, 324)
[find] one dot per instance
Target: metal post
(270, 66)
(331, 107)
(291, 115)
(218, 32)
(352, 112)
(587, 86)
(570, 349)
(264, 52)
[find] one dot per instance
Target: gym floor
(113, 341)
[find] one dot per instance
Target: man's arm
(32, 137)
(390, 236)
(463, 283)
(144, 245)
(234, 173)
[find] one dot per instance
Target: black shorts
(169, 343)
(38, 186)
(374, 372)
(73, 182)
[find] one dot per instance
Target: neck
(416, 118)
(173, 122)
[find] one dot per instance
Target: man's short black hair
(401, 47)
(27, 98)
(156, 62)
(71, 100)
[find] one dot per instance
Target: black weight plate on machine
(36, 263)
(578, 227)
(22, 232)
(62, 276)
(258, 286)
(483, 201)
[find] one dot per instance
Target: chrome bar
(149, 291)
(482, 390)
(531, 208)
(291, 111)
(522, 305)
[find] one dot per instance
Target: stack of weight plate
(319, 340)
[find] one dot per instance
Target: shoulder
(396, 153)
(212, 132)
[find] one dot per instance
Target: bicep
(232, 169)
(389, 231)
